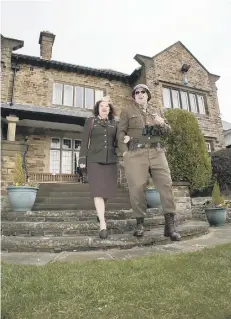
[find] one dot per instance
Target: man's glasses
(138, 92)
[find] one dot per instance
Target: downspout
(24, 164)
(15, 67)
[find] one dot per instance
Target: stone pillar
(12, 120)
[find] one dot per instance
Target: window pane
(66, 162)
(193, 102)
(55, 142)
(78, 96)
(68, 95)
(201, 104)
(175, 99)
(75, 162)
(184, 100)
(54, 162)
(98, 95)
(57, 93)
(77, 144)
(167, 99)
(67, 143)
(89, 98)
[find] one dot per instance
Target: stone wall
(8, 156)
(198, 207)
(34, 86)
(198, 211)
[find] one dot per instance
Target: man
(139, 140)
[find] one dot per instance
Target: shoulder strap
(89, 137)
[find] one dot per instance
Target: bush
(186, 150)
(221, 168)
(19, 174)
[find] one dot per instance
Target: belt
(133, 145)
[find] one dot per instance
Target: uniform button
(105, 135)
(105, 141)
(105, 146)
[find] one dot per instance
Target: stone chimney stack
(46, 41)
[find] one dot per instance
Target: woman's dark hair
(111, 114)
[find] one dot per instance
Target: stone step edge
(86, 243)
(131, 221)
(76, 212)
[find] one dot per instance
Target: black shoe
(103, 234)
(139, 230)
(169, 229)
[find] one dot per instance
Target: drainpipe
(24, 158)
(15, 67)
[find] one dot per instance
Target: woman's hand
(126, 139)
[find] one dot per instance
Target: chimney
(46, 41)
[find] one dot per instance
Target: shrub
(19, 174)
(186, 149)
(221, 168)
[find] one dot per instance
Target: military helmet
(142, 86)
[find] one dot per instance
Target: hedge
(221, 168)
(186, 149)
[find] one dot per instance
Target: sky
(109, 33)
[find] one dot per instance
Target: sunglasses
(138, 92)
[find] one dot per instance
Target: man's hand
(124, 153)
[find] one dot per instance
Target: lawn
(193, 285)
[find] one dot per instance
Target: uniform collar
(140, 107)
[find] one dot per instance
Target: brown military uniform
(142, 153)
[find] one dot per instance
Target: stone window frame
(188, 92)
(209, 144)
(60, 148)
(74, 86)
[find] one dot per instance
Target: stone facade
(164, 69)
(34, 86)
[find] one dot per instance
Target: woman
(98, 157)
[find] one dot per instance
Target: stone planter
(22, 198)
(216, 216)
(152, 198)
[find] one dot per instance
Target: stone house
(44, 103)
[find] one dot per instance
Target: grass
(192, 285)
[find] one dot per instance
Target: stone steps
(84, 243)
(83, 205)
(66, 228)
(69, 228)
(73, 196)
(74, 193)
(77, 200)
(72, 215)
(72, 187)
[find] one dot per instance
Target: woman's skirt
(102, 179)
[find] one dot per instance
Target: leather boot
(139, 230)
(169, 229)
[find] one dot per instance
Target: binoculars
(148, 130)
